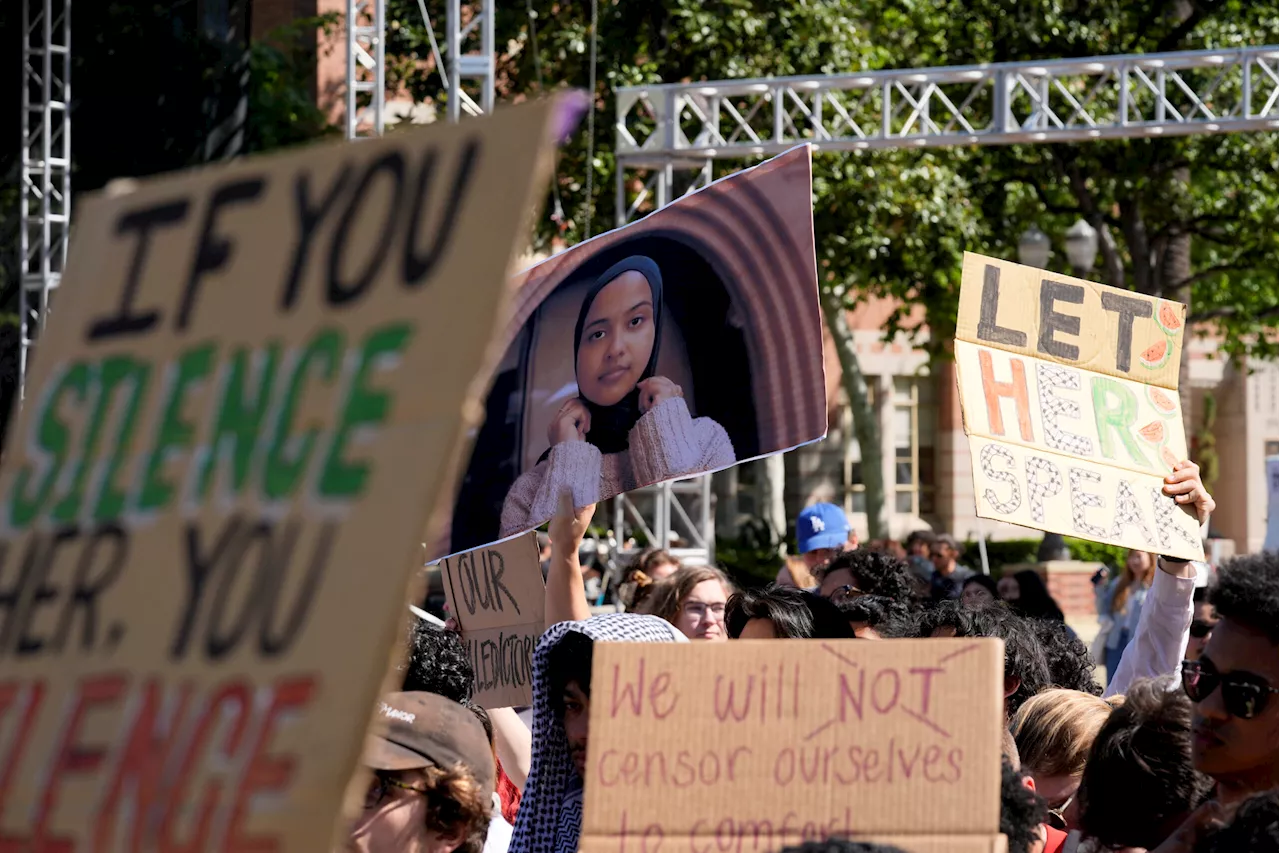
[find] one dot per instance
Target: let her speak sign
(1069, 391)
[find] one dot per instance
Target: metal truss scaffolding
(474, 35)
(668, 137)
(673, 132)
(45, 207)
(366, 68)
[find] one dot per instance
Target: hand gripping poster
(675, 346)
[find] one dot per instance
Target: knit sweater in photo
(666, 442)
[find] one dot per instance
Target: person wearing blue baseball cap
(822, 533)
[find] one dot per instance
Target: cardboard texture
(754, 745)
(498, 596)
(1069, 393)
(247, 401)
(683, 343)
(751, 843)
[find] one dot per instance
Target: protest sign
(1069, 391)
(757, 745)
(498, 596)
(246, 403)
(677, 345)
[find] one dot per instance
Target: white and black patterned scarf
(550, 816)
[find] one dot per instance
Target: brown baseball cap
(412, 730)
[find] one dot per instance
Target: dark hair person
(1234, 683)
(628, 427)
(694, 600)
(978, 592)
(1071, 667)
(864, 572)
(1033, 599)
(1139, 783)
(782, 612)
(437, 662)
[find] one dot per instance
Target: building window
(910, 442)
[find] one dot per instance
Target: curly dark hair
(842, 845)
(1140, 782)
(874, 573)
(1066, 655)
(1022, 810)
(1254, 827)
(795, 614)
(437, 663)
(890, 618)
(1023, 658)
(1247, 591)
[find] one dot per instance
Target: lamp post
(1034, 248)
(1082, 247)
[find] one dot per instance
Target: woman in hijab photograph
(628, 427)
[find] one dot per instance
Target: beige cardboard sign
(498, 596)
(250, 395)
(756, 745)
(1069, 391)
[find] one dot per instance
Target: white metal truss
(44, 210)
(668, 136)
(469, 52)
(675, 516)
(366, 68)
(674, 130)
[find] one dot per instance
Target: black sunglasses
(1201, 629)
(1244, 694)
(380, 788)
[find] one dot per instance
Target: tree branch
(1225, 312)
(1112, 263)
(1209, 272)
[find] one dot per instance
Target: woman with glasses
(693, 599)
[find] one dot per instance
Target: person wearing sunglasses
(433, 775)
(1202, 621)
(1233, 684)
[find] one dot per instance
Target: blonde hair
(1126, 580)
(800, 575)
(1055, 729)
(669, 594)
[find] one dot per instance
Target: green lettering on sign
(175, 433)
(289, 454)
(53, 437)
(364, 407)
(240, 418)
(1115, 408)
(110, 502)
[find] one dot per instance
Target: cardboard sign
(247, 401)
(1069, 391)
(498, 596)
(680, 344)
(757, 745)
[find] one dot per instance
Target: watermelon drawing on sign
(1163, 403)
(1156, 356)
(1153, 432)
(1169, 318)
(1166, 455)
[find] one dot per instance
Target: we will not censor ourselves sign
(498, 596)
(1070, 397)
(248, 400)
(752, 746)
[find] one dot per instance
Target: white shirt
(1163, 630)
(499, 838)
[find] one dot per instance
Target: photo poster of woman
(680, 344)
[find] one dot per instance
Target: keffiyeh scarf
(550, 817)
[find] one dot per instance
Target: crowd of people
(1176, 753)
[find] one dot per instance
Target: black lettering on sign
(988, 328)
(143, 222)
(505, 660)
(37, 597)
(482, 586)
(309, 218)
(214, 250)
(417, 267)
(1052, 321)
(1128, 307)
(339, 291)
(230, 593)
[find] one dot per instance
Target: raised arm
(1164, 627)
(566, 596)
(514, 742)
